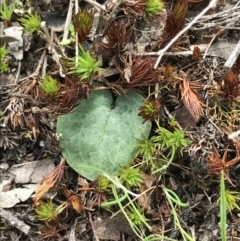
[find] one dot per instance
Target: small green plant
(150, 110)
(86, 65)
(104, 184)
(157, 146)
(7, 11)
(223, 208)
(136, 215)
(231, 199)
(3, 63)
(50, 86)
(47, 212)
(31, 22)
(146, 148)
(72, 36)
(173, 198)
(1, 115)
(131, 177)
(82, 23)
(170, 142)
(153, 9)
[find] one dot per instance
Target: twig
(222, 14)
(73, 230)
(76, 37)
(212, 24)
(13, 221)
(93, 228)
(97, 5)
(161, 52)
(18, 72)
(47, 34)
(115, 7)
(233, 56)
(237, 4)
(202, 47)
(68, 21)
(210, 44)
(38, 68)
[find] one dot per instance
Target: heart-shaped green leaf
(102, 134)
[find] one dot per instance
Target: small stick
(210, 44)
(161, 52)
(68, 21)
(14, 221)
(233, 56)
(93, 228)
(18, 72)
(76, 37)
(97, 5)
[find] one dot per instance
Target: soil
(210, 118)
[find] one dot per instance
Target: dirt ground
(194, 65)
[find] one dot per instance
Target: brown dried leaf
(196, 53)
(72, 199)
(191, 99)
(50, 180)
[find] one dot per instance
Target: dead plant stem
(68, 21)
(97, 5)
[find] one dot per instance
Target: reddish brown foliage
(196, 53)
(117, 35)
(230, 87)
(138, 72)
(175, 23)
(217, 164)
(70, 93)
(50, 181)
(191, 99)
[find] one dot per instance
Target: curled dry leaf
(196, 53)
(191, 99)
(72, 199)
(50, 181)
